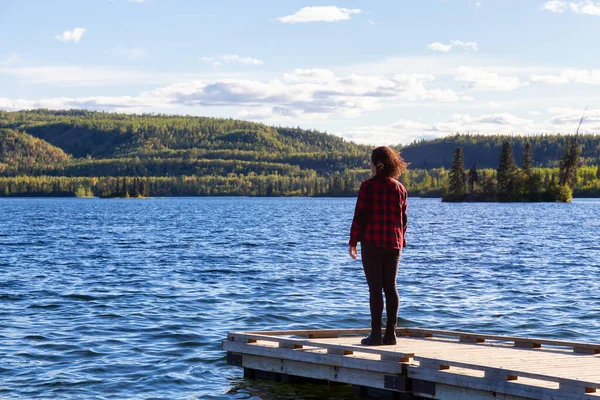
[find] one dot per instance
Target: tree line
(423, 183)
(235, 185)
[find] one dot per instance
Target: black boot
(390, 335)
(374, 339)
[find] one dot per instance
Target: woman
(379, 224)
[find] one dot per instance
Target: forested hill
(484, 150)
(22, 148)
(82, 152)
(86, 153)
(99, 135)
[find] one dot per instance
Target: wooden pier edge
(337, 356)
(467, 337)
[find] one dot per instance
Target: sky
(377, 72)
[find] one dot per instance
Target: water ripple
(129, 299)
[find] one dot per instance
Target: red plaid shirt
(380, 216)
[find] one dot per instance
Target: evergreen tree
(569, 163)
(574, 154)
(531, 181)
(136, 187)
(598, 170)
(506, 170)
(528, 159)
(143, 187)
(457, 188)
(473, 178)
(564, 164)
(125, 188)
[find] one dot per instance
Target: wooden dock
(425, 363)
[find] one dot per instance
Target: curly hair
(388, 163)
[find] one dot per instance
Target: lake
(130, 299)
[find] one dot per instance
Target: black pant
(381, 269)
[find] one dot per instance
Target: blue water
(129, 299)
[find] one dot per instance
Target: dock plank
(513, 367)
(565, 366)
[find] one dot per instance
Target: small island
(509, 183)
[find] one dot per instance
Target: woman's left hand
(353, 252)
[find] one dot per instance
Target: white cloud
(402, 131)
(71, 36)
(244, 60)
(279, 114)
(478, 4)
(580, 7)
(231, 58)
(309, 93)
(138, 1)
(586, 7)
(445, 95)
(437, 46)
(486, 123)
(591, 77)
(118, 103)
(555, 6)
(481, 79)
(301, 94)
(319, 14)
(567, 118)
(465, 45)
(132, 53)
(405, 131)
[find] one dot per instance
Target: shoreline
(272, 197)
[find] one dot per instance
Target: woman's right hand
(353, 252)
